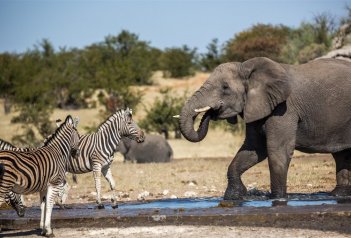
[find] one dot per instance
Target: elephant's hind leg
(343, 173)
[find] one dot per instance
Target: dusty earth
(181, 231)
(192, 177)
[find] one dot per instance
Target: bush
(212, 58)
(260, 40)
(159, 117)
(178, 62)
(311, 52)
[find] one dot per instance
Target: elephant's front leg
(244, 159)
(97, 178)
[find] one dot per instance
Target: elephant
(154, 149)
(285, 107)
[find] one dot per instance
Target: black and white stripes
(40, 170)
(97, 149)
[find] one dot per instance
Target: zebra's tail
(2, 170)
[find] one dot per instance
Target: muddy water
(249, 201)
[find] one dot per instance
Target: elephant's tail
(170, 152)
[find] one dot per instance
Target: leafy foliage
(42, 79)
(260, 40)
(213, 57)
(159, 117)
(178, 62)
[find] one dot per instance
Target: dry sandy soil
(182, 232)
(198, 170)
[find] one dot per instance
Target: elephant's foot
(278, 192)
(341, 190)
(234, 192)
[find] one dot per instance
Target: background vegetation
(43, 78)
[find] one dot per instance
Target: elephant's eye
(225, 86)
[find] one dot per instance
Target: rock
(341, 44)
(189, 194)
(165, 192)
(143, 195)
(173, 196)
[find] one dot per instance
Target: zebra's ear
(69, 120)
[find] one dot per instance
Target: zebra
(13, 199)
(40, 170)
(16, 200)
(97, 149)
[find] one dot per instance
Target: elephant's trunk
(187, 119)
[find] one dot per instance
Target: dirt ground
(181, 232)
(193, 177)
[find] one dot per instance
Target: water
(188, 203)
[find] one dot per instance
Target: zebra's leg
(106, 171)
(42, 209)
(97, 178)
(62, 196)
(52, 192)
(16, 202)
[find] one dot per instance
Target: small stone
(143, 195)
(189, 194)
(165, 192)
(173, 196)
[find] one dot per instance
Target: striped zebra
(40, 170)
(97, 149)
(13, 199)
(16, 201)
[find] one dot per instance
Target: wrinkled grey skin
(154, 149)
(285, 107)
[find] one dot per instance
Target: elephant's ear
(267, 84)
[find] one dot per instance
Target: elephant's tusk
(204, 109)
(176, 116)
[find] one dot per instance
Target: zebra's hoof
(115, 206)
(21, 212)
(101, 206)
(47, 233)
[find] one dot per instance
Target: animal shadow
(16, 233)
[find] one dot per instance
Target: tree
(8, 65)
(260, 40)
(324, 27)
(212, 58)
(178, 62)
(159, 117)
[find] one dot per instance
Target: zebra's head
(75, 138)
(132, 130)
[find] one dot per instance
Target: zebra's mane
(6, 143)
(57, 132)
(110, 119)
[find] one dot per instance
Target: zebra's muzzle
(140, 137)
